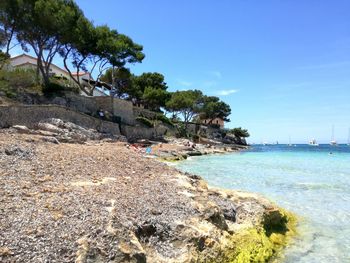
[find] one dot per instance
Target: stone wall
(124, 109)
(140, 132)
(90, 106)
(30, 115)
(137, 111)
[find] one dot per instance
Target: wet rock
(226, 206)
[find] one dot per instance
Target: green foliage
(57, 87)
(155, 98)
(214, 108)
(15, 81)
(4, 58)
(19, 78)
(181, 130)
(53, 88)
(147, 122)
(165, 120)
(186, 103)
(118, 74)
(51, 27)
(239, 132)
(149, 80)
(43, 25)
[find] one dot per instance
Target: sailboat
(333, 142)
(290, 144)
(349, 137)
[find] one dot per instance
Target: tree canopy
(214, 108)
(186, 103)
(59, 28)
(239, 132)
(52, 27)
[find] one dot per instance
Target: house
(26, 61)
(216, 121)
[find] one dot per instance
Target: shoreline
(101, 201)
(180, 149)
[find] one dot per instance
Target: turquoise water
(304, 179)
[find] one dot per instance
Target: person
(134, 101)
(101, 114)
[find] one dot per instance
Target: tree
(146, 80)
(120, 78)
(239, 132)
(42, 25)
(214, 108)
(102, 47)
(79, 48)
(9, 14)
(186, 103)
(155, 98)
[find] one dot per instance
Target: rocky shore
(176, 149)
(101, 201)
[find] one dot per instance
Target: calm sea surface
(307, 180)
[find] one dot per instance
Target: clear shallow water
(304, 179)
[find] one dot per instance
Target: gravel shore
(103, 202)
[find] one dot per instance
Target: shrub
(145, 121)
(21, 78)
(195, 138)
(165, 120)
(181, 130)
(53, 88)
(58, 87)
(14, 81)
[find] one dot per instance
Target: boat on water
(349, 138)
(290, 144)
(333, 141)
(313, 142)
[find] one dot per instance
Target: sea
(311, 181)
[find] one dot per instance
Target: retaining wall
(30, 115)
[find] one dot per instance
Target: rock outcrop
(103, 202)
(57, 130)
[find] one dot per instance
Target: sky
(282, 65)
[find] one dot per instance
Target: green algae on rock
(260, 243)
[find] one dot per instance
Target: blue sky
(283, 66)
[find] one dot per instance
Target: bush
(181, 130)
(145, 121)
(57, 87)
(165, 120)
(22, 78)
(53, 88)
(195, 138)
(14, 81)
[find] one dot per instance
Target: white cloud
(226, 92)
